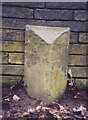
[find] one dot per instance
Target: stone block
(81, 83)
(80, 15)
(78, 49)
(10, 79)
(12, 69)
(25, 4)
(78, 60)
(83, 37)
(0, 57)
(16, 12)
(79, 72)
(75, 26)
(12, 46)
(53, 14)
(12, 35)
(66, 5)
(16, 58)
(0, 47)
(14, 23)
(73, 37)
(46, 58)
(5, 57)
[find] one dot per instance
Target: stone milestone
(46, 61)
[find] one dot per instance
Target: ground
(73, 105)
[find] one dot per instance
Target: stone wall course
(60, 14)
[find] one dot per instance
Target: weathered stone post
(46, 61)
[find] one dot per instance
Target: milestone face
(46, 58)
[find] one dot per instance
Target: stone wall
(16, 15)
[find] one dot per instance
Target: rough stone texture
(26, 4)
(66, 5)
(79, 71)
(17, 12)
(0, 47)
(12, 46)
(5, 58)
(73, 37)
(14, 28)
(13, 35)
(0, 57)
(12, 69)
(10, 79)
(83, 37)
(78, 49)
(75, 26)
(15, 23)
(81, 83)
(46, 61)
(52, 15)
(16, 58)
(78, 60)
(80, 15)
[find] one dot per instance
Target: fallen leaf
(25, 114)
(42, 104)
(1, 117)
(42, 116)
(32, 110)
(75, 97)
(58, 117)
(38, 108)
(16, 98)
(81, 110)
(45, 108)
(53, 111)
(7, 99)
(61, 107)
(78, 93)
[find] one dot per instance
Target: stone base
(47, 85)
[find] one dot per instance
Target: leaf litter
(17, 104)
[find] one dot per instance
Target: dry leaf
(75, 97)
(31, 110)
(7, 99)
(38, 108)
(25, 114)
(1, 117)
(81, 109)
(61, 107)
(78, 93)
(16, 98)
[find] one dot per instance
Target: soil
(73, 105)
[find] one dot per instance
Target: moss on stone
(79, 72)
(9, 79)
(16, 58)
(51, 82)
(5, 57)
(78, 49)
(83, 37)
(13, 46)
(13, 35)
(12, 69)
(78, 60)
(81, 83)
